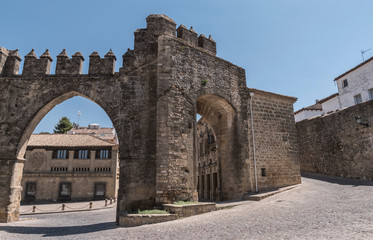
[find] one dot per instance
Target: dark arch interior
(214, 135)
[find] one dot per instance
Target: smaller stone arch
(221, 116)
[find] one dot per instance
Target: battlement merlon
(189, 36)
(3, 56)
(98, 65)
(35, 66)
(66, 65)
(12, 63)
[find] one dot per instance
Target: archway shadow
(60, 231)
(338, 180)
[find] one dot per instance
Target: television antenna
(362, 53)
(79, 113)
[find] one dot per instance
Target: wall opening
(215, 119)
(80, 165)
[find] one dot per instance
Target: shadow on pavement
(60, 231)
(338, 180)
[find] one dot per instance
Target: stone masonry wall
(275, 140)
(153, 101)
(214, 88)
(336, 144)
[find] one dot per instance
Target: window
(344, 83)
(370, 92)
(264, 172)
(60, 154)
(30, 191)
(103, 154)
(82, 154)
(65, 191)
(357, 99)
(100, 190)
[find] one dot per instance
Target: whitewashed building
(354, 86)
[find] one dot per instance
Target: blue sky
(289, 47)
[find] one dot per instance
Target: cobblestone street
(320, 208)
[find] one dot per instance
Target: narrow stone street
(320, 208)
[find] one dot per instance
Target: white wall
(331, 105)
(306, 114)
(359, 81)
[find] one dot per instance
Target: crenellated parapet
(146, 40)
(207, 43)
(145, 51)
(98, 65)
(9, 62)
(188, 35)
(66, 65)
(35, 66)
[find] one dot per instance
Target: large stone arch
(37, 117)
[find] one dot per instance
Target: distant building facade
(354, 86)
(208, 167)
(63, 167)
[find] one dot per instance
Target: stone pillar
(10, 186)
(92, 162)
(3, 56)
(12, 64)
(71, 159)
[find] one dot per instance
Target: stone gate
(170, 76)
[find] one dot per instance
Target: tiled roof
(317, 106)
(85, 130)
(328, 98)
(352, 69)
(66, 140)
(314, 107)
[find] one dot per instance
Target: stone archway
(221, 117)
(16, 171)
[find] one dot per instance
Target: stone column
(92, 163)
(10, 186)
(71, 159)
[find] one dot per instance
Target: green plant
(152, 211)
(63, 125)
(204, 82)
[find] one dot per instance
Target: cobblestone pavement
(320, 208)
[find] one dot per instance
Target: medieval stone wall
(275, 140)
(169, 77)
(336, 144)
(214, 88)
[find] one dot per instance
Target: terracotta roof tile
(314, 107)
(66, 140)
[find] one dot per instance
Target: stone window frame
(60, 154)
(358, 99)
(65, 197)
(95, 190)
(370, 93)
(100, 154)
(82, 154)
(344, 83)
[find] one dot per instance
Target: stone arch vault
(169, 77)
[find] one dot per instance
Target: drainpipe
(253, 134)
